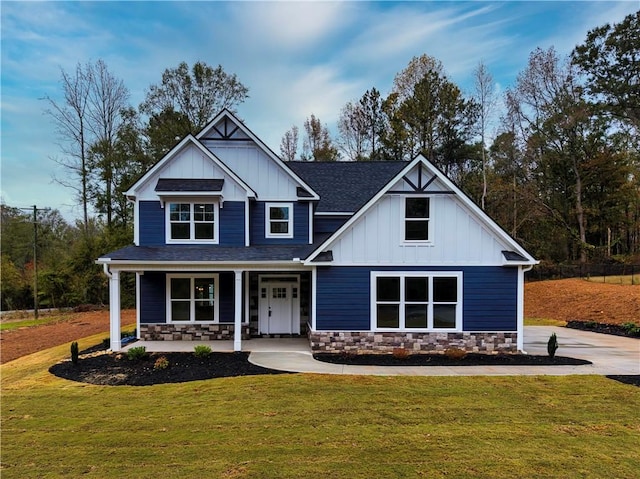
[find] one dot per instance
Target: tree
(610, 57)
(108, 97)
(485, 97)
(163, 131)
(70, 117)
(374, 119)
(198, 93)
(352, 130)
(317, 144)
(289, 144)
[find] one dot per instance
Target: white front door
(279, 307)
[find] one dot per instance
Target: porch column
(114, 310)
(237, 330)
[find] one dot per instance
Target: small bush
(201, 351)
(400, 353)
(161, 363)
(552, 345)
(137, 353)
(631, 329)
(74, 352)
(455, 353)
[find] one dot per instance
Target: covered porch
(181, 305)
(298, 345)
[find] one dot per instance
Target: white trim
(127, 265)
(460, 195)
(310, 223)
(374, 275)
(267, 220)
(115, 320)
(192, 299)
(333, 213)
(520, 307)
(192, 222)
(429, 220)
(247, 236)
(189, 140)
(136, 222)
(138, 304)
(237, 313)
(314, 280)
(262, 146)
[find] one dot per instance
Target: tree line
(555, 160)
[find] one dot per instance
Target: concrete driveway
(609, 355)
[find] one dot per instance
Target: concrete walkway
(609, 355)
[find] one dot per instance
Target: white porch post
(520, 310)
(237, 330)
(114, 310)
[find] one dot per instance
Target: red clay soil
(20, 342)
(567, 299)
(581, 300)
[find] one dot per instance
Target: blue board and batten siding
(152, 223)
(300, 225)
(153, 297)
(343, 297)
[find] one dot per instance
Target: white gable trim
(189, 140)
(262, 146)
(491, 225)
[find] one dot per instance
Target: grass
(620, 279)
(26, 319)
(291, 426)
(544, 322)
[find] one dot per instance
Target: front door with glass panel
(279, 306)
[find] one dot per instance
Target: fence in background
(599, 272)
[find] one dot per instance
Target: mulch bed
(604, 328)
(471, 359)
(117, 370)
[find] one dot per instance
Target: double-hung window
(192, 298)
(416, 301)
(279, 220)
(417, 219)
(192, 222)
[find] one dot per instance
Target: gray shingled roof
(345, 186)
(212, 253)
(189, 184)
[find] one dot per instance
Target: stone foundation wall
(189, 332)
(413, 343)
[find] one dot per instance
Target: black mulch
(633, 379)
(604, 328)
(471, 359)
(118, 370)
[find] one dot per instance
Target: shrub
(631, 329)
(161, 363)
(400, 353)
(201, 351)
(552, 345)
(455, 353)
(137, 353)
(74, 352)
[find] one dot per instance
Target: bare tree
(108, 99)
(486, 98)
(70, 117)
(317, 144)
(289, 144)
(352, 132)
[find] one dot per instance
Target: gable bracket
(227, 134)
(421, 186)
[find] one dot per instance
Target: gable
(190, 168)
(460, 233)
(231, 141)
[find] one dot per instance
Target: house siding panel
(300, 225)
(489, 297)
(327, 224)
(232, 224)
(151, 223)
(227, 297)
(153, 298)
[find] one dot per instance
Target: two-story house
(232, 243)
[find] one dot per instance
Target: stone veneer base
(413, 343)
(189, 332)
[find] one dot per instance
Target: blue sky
(296, 58)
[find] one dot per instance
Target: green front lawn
(313, 426)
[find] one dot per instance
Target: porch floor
(248, 345)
